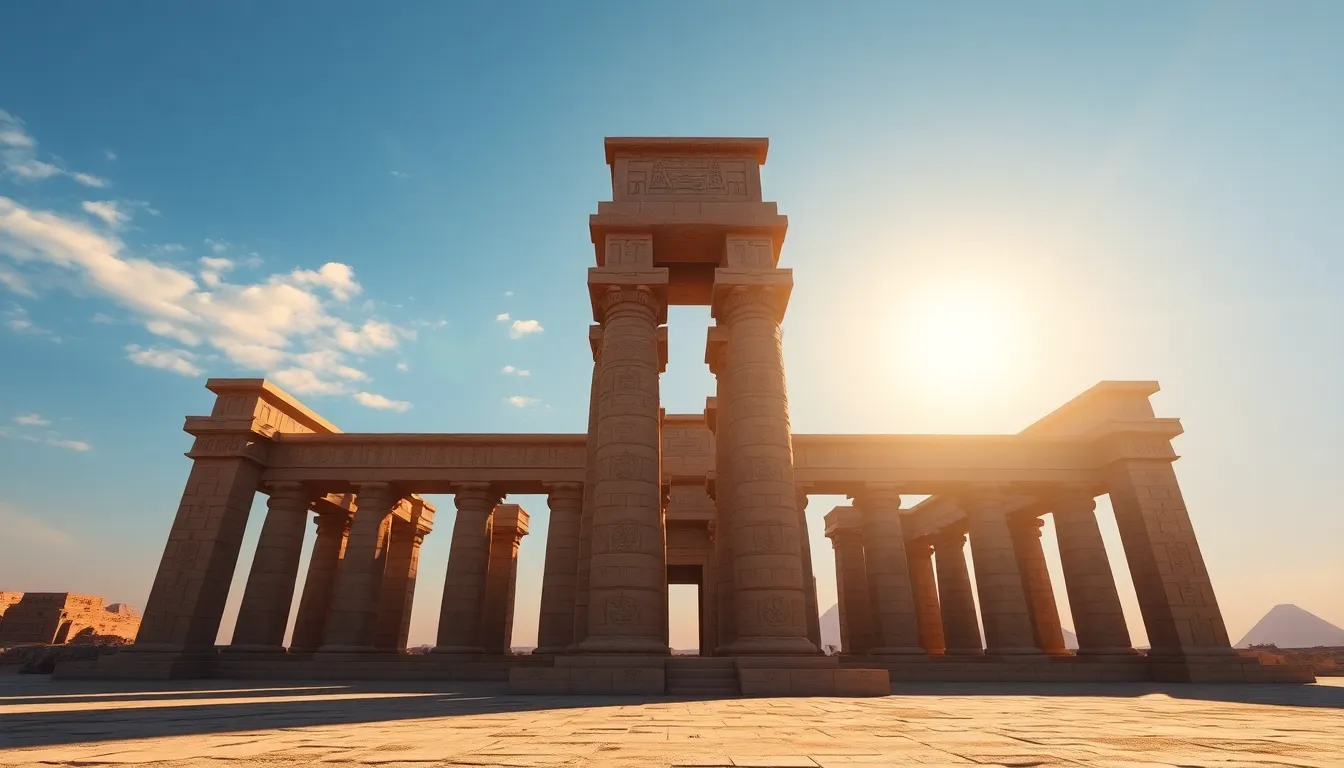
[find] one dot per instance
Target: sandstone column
(263, 615)
(507, 530)
(1003, 602)
(586, 515)
(187, 600)
(889, 589)
(844, 528)
(468, 561)
(809, 580)
(359, 579)
(1172, 583)
(398, 595)
(555, 628)
(928, 613)
(961, 626)
(1043, 612)
(315, 605)
(627, 581)
(725, 592)
(1094, 601)
(767, 552)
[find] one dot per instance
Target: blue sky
(992, 207)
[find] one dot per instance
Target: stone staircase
(702, 676)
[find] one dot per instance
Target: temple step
(701, 676)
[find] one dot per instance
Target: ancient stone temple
(645, 499)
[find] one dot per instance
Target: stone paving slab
(216, 724)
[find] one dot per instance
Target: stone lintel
(727, 279)
(753, 147)
(511, 517)
(267, 404)
(843, 519)
(656, 280)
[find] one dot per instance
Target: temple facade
(645, 499)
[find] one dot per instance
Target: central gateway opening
(685, 609)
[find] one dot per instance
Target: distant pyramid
(1070, 639)
(1288, 626)
(830, 626)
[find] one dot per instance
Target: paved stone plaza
(218, 723)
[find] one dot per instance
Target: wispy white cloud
(510, 370)
(400, 174)
(508, 293)
(74, 445)
(18, 321)
(30, 531)
(521, 401)
(109, 155)
(403, 367)
(503, 317)
(304, 381)
(108, 211)
(31, 420)
(335, 277)
(178, 361)
(16, 283)
(101, 319)
(370, 400)
(521, 328)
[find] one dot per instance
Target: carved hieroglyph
(751, 251)
(629, 251)
(686, 177)
(767, 554)
(627, 572)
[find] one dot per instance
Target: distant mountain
(1288, 626)
(830, 626)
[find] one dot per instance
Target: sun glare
(960, 341)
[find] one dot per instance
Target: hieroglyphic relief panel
(349, 450)
(629, 251)
(749, 252)
(688, 449)
(696, 177)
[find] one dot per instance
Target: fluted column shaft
(627, 578)
(961, 627)
(403, 566)
(264, 612)
(555, 628)
(928, 613)
(1042, 609)
(586, 514)
(767, 550)
(359, 579)
(851, 577)
(894, 621)
(998, 580)
(315, 605)
(809, 580)
(1094, 601)
(468, 563)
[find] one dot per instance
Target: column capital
(334, 521)
(482, 494)
(378, 494)
(1073, 497)
(287, 493)
(874, 496)
(751, 291)
(1026, 524)
(842, 521)
(510, 519)
(948, 537)
(921, 547)
(564, 492)
(612, 290)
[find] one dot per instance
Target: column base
(757, 646)
(462, 650)
(1016, 653)
(251, 648)
(906, 654)
(347, 649)
(636, 645)
(965, 652)
(553, 650)
(1107, 653)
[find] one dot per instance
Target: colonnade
(906, 596)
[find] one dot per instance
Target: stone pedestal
(555, 628)
(263, 614)
(767, 552)
(468, 563)
(1094, 602)
(998, 580)
(956, 600)
(398, 594)
(359, 579)
(186, 603)
(1042, 610)
(924, 585)
(894, 620)
(310, 625)
(845, 530)
(627, 581)
(507, 529)
(1171, 581)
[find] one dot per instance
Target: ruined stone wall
(63, 617)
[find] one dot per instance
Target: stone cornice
(754, 147)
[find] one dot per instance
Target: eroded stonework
(61, 617)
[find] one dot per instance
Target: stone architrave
(555, 628)
(310, 625)
(627, 580)
(845, 530)
(359, 579)
(186, 603)
(956, 600)
(924, 585)
(809, 580)
(399, 575)
(767, 552)
(509, 525)
(468, 564)
(263, 614)
(1003, 601)
(589, 482)
(1043, 612)
(1180, 611)
(1094, 602)
(894, 618)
